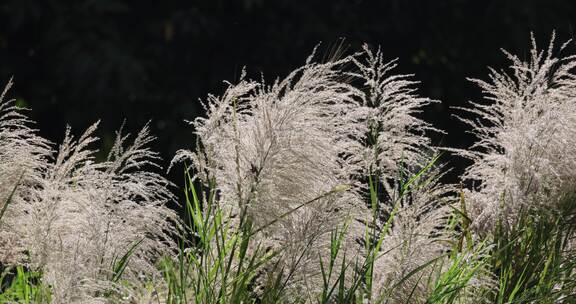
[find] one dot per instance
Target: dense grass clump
(321, 187)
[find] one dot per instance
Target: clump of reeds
(321, 187)
(77, 221)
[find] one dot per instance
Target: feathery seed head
(525, 153)
(72, 218)
(280, 153)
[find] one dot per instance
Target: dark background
(75, 62)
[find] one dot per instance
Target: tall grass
(534, 261)
(317, 188)
(215, 265)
